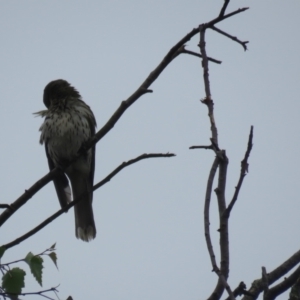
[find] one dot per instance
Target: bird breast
(64, 132)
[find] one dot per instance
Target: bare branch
(222, 18)
(244, 44)
(222, 12)
(210, 180)
(128, 163)
(4, 206)
(71, 204)
(244, 171)
(202, 147)
(222, 283)
(199, 55)
(208, 100)
(27, 195)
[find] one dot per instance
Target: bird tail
(85, 228)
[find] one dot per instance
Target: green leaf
(2, 250)
(52, 247)
(35, 263)
(13, 281)
(53, 257)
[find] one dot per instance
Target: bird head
(57, 92)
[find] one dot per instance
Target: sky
(150, 237)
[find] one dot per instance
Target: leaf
(53, 257)
(13, 281)
(52, 247)
(35, 263)
(2, 250)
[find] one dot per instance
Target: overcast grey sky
(150, 242)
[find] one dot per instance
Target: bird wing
(92, 167)
(61, 183)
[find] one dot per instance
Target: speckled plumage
(68, 124)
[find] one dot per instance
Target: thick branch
(96, 186)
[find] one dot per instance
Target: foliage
(13, 279)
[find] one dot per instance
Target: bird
(69, 123)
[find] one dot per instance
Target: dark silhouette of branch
(4, 206)
(71, 204)
(208, 100)
(244, 44)
(210, 180)
(244, 171)
(199, 55)
(27, 195)
(202, 147)
(128, 163)
(222, 12)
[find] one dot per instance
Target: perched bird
(68, 124)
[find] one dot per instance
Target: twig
(210, 180)
(222, 12)
(128, 163)
(71, 204)
(208, 100)
(199, 55)
(244, 44)
(202, 147)
(27, 195)
(244, 170)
